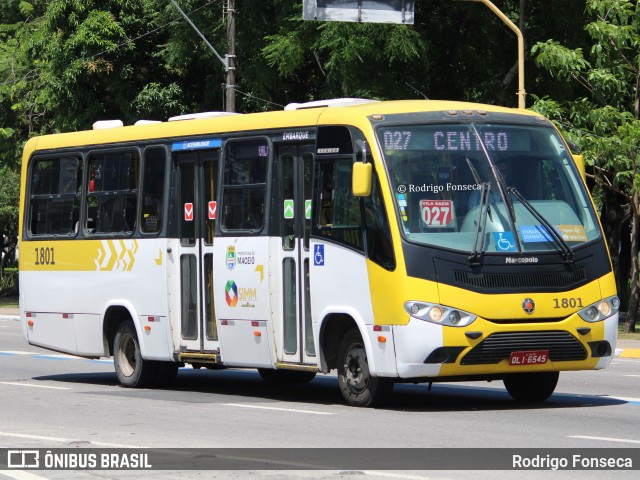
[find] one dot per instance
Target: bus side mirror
(578, 158)
(361, 179)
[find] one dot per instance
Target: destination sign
(457, 139)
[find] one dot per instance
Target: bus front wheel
(531, 387)
(131, 369)
(358, 386)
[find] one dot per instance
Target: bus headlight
(439, 314)
(600, 310)
(435, 314)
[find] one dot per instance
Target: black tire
(358, 387)
(132, 371)
(285, 376)
(531, 387)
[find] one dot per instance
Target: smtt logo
(231, 293)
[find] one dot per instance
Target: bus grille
(506, 321)
(562, 346)
(524, 280)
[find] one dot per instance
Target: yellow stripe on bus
(86, 255)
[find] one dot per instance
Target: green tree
(96, 60)
(605, 118)
(18, 19)
(9, 201)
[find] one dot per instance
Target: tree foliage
(604, 119)
(9, 196)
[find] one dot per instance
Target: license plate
(532, 357)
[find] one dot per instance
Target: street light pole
(516, 30)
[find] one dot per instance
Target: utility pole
(229, 59)
(230, 87)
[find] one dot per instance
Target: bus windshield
(487, 187)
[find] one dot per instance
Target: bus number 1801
(45, 256)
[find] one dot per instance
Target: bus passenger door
(197, 182)
(293, 326)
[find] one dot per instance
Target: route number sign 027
(436, 213)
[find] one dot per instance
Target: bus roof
(329, 115)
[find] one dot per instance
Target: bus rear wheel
(531, 387)
(131, 369)
(359, 388)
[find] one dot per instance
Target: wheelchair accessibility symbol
(318, 255)
(504, 241)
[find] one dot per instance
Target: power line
(251, 95)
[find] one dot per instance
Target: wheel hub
(356, 371)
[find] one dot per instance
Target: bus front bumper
(485, 349)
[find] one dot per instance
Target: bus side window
(153, 190)
(113, 192)
(54, 203)
(339, 215)
(244, 184)
(377, 230)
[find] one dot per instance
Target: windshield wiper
(502, 187)
(565, 249)
(474, 172)
(483, 213)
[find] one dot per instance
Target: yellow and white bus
(404, 241)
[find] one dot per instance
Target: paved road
(55, 401)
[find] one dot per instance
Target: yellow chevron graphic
(260, 270)
(116, 255)
(159, 259)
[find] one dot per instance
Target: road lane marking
(41, 356)
(278, 409)
(403, 476)
(66, 440)
(33, 437)
(606, 439)
(354, 473)
(633, 400)
(22, 384)
(20, 475)
(56, 357)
